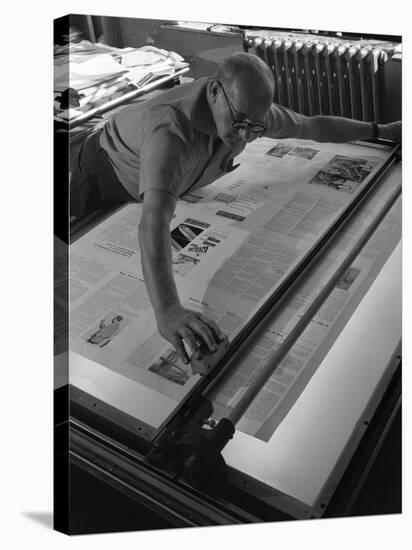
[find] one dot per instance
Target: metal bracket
(191, 448)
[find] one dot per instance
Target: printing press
(297, 256)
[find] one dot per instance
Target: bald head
(247, 73)
(241, 91)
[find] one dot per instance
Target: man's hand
(177, 325)
(391, 131)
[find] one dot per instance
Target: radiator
(328, 77)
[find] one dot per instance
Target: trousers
(94, 183)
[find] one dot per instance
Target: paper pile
(94, 74)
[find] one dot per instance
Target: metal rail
(171, 499)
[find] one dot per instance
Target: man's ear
(213, 90)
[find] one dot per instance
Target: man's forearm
(342, 130)
(175, 323)
(156, 255)
(337, 129)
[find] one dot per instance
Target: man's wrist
(165, 308)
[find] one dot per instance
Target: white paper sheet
(83, 75)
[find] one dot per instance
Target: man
(184, 139)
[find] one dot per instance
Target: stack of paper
(100, 73)
(149, 55)
(94, 71)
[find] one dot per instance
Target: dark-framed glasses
(239, 123)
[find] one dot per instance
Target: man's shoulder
(168, 116)
(168, 120)
(280, 110)
(181, 96)
(174, 109)
(283, 122)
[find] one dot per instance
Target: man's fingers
(178, 344)
(203, 330)
(190, 338)
(188, 331)
(214, 327)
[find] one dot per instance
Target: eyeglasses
(254, 127)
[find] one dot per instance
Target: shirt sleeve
(163, 155)
(283, 123)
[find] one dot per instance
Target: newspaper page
(295, 370)
(233, 243)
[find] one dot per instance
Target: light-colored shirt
(170, 142)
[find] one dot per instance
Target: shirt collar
(201, 114)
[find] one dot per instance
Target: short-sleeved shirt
(170, 142)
